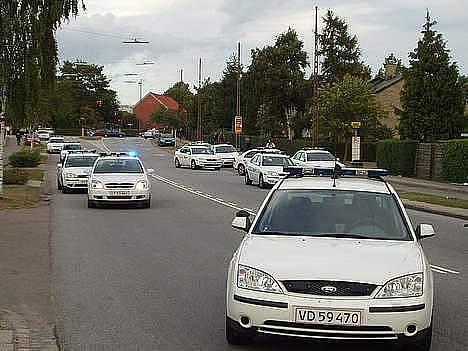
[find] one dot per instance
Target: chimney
(390, 71)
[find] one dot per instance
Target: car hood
(119, 178)
(77, 170)
(227, 155)
(302, 258)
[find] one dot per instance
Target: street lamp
(140, 91)
(2, 135)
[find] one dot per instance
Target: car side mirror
(338, 159)
(425, 231)
(242, 221)
(150, 170)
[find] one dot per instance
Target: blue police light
(350, 172)
(133, 154)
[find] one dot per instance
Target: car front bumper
(228, 162)
(54, 149)
(210, 164)
(274, 314)
(76, 183)
(121, 195)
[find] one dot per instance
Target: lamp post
(2, 135)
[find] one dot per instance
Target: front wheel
(193, 165)
(235, 335)
(146, 203)
(247, 179)
(59, 185)
(261, 183)
(177, 163)
(241, 170)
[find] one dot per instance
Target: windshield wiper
(276, 233)
(344, 235)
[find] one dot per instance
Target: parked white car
(226, 152)
(55, 144)
(313, 158)
(73, 173)
(43, 135)
(266, 169)
(119, 178)
(67, 147)
(331, 259)
(241, 161)
(196, 156)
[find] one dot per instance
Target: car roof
(316, 151)
(273, 154)
(123, 157)
(343, 183)
(223, 145)
(77, 154)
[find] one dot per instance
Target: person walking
(18, 137)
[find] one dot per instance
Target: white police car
(241, 161)
(73, 173)
(226, 152)
(196, 156)
(67, 147)
(310, 158)
(265, 169)
(55, 144)
(119, 178)
(331, 259)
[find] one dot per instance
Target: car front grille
(119, 197)
(82, 176)
(119, 185)
(327, 331)
(329, 288)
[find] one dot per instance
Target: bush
(26, 158)
(397, 156)
(14, 177)
(455, 162)
(68, 131)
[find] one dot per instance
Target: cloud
(181, 31)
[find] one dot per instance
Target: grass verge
(434, 199)
(19, 196)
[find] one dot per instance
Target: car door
(187, 157)
(255, 170)
(249, 166)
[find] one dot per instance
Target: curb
(436, 209)
(415, 183)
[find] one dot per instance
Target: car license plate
(120, 193)
(319, 316)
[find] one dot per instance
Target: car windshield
(250, 154)
(56, 140)
(80, 161)
(166, 136)
(224, 149)
(118, 165)
(333, 213)
(72, 147)
(200, 151)
(320, 156)
(276, 161)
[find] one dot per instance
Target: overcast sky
(181, 31)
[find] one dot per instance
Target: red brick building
(152, 102)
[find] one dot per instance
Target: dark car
(166, 140)
(109, 133)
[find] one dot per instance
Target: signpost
(356, 142)
(238, 124)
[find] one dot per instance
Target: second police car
(73, 173)
(265, 169)
(242, 159)
(119, 178)
(335, 258)
(196, 156)
(310, 158)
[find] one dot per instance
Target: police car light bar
(329, 172)
(103, 154)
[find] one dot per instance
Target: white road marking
(436, 270)
(208, 197)
(445, 270)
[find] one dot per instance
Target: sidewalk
(27, 317)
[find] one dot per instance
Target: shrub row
(455, 162)
(26, 158)
(397, 156)
(14, 176)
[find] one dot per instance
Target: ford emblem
(329, 289)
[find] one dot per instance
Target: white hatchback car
(55, 144)
(73, 173)
(266, 169)
(312, 158)
(241, 161)
(331, 259)
(196, 156)
(226, 152)
(119, 178)
(67, 147)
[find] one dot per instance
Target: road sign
(238, 124)
(356, 125)
(356, 148)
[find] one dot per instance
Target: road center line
(446, 270)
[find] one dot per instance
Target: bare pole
(140, 88)
(238, 100)
(315, 85)
(199, 117)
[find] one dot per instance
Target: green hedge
(14, 176)
(68, 131)
(455, 163)
(26, 158)
(397, 156)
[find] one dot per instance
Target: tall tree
(391, 60)
(432, 97)
(340, 51)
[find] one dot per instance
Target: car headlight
(406, 286)
(251, 278)
(141, 185)
(272, 174)
(70, 175)
(96, 184)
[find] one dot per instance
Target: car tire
(65, 190)
(261, 183)
(247, 179)
(146, 203)
(177, 163)
(59, 186)
(193, 165)
(421, 342)
(241, 169)
(235, 335)
(91, 204)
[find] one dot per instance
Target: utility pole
(2, 131)
(199, 117)
(140, 88)
(315, 85)
(238, 100)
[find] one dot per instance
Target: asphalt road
(133, 279)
